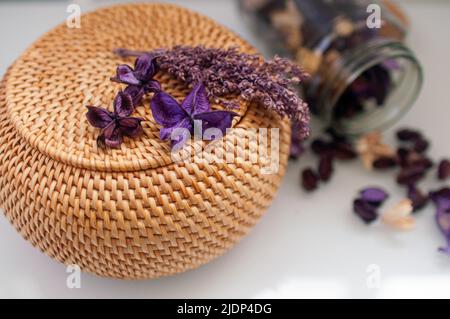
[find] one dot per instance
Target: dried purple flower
(444, 169)
(374, 195)
(115, 124)
(325, 169)
(310, 180)
(418, 198)
(365, 210)
(140, 79)
(228, 72)
(441, 199)
(171, 115)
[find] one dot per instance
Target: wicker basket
(130, 212)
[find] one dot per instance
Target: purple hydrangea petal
(197, 101)
(365, 210)
(374, 195)
(136, 92)
(144, 67)
(123, 104)
(165, 132)
(130, 126)
(445, 250)
(125, 74)
(113, 136)
(166, 110)
(443, 221)
(99, 117)
(216, 119)
(418, 199)
(153, 86)
(441, 199)
(182, 136)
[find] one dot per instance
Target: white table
(306, 245)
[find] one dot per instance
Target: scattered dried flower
(310, 180)
(418, 199)
(399, 216)
(140, 79)
(172, 115)
(374, 195)
(441, 199)
(365, 210)
(115, 124)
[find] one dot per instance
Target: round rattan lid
(68, 68)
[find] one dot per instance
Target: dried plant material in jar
(343, 27)
(399, 216)
(310, 60)
(289, 22)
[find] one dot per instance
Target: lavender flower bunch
(228, 72)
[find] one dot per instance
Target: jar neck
(344, 71)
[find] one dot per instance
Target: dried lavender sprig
(228, 72)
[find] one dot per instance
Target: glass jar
(363, 76)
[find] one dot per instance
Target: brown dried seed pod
(325, 168)
(310, 180)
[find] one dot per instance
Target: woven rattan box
(131, 212)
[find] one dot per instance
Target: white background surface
(306, 245)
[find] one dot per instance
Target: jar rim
(355, 63)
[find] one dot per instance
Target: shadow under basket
(131, 212)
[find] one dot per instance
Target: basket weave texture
(129, 213)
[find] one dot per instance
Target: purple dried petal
(374, 195)
(385, 162)
(145, 67)
(325, 169)
(166, 110)
(136, 92)
(99, 117)
(444, 170)
(197, 101)
(441, 198)
(310, 180)
(182, 135)
(125, 74)
(408, 135)
(215, 119)
(418, 198)
(410, 175)
(366, 211)
(123, 104)
(112, 135)
(166, 132)
(130, 126)
(152, 86)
